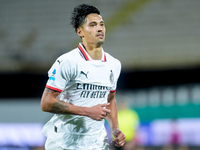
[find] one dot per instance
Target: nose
(99, 27)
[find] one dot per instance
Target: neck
(94, 51)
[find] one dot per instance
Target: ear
(79, 32)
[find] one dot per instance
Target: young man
(81, 90)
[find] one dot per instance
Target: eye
(102, 24)
(92, 24)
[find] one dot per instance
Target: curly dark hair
(80, 12)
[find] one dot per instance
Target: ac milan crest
(111, 77)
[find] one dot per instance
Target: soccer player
(81, 90)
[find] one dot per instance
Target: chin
(100, 43)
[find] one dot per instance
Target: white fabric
(81, 142)
(81, 83)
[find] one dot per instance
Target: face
(93, 30)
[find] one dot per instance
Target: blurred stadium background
(157, 42)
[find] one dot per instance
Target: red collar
(87, 56)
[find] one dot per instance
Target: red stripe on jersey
(113, 91)
(104, 57)
(52, 88)
(83, 51)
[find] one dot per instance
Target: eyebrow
(96, 22)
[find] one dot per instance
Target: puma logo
(59, 61)
(85, 73)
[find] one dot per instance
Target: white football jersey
(85, 82)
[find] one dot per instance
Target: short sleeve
(116, 74)
(59, 75)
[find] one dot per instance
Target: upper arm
(49, 97)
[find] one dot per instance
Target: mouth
(100, 35)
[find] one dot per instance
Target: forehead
(93, 18)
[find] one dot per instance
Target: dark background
(32, 85)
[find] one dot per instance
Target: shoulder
(66, 60)
(66, 63)
(113, 60)
(69, 58)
